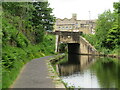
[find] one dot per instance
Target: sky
(85, 9)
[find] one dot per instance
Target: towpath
(34, 75)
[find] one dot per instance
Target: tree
(103, 25)
(30, 18)
(42, 19)
(113, 37)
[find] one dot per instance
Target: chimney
(74, 16)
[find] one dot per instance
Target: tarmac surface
(34, 75)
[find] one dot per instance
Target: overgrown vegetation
(63, 47)
(24, 25)
(107, 36)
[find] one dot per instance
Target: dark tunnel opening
(73, 48)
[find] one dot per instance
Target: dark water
(89, 71)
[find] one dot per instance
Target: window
(82, 25)
(70, 27)
(66, 27)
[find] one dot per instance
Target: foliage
(113, 37)
(23, 38)
(13, 58)
(103, 24)
(10, 35)
(107, 36)
(62, 47)
(42, 19)
(42, 15)
(90, 37)
(31, 18)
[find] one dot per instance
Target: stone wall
(86, 47)
(76, 43)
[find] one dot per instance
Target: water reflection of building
(76, 63)
(86, 61)
(69, 67)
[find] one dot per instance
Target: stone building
(85, 26)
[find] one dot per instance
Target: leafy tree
(107, 36)
(30, 18)
(42, 19)
(103, 25)
(113, 37)
(42, 15)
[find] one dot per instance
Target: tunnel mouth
(73, 48)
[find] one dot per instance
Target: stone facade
(85, 26)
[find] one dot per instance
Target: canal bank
(104, 55)
(114, 56)
(53, 74)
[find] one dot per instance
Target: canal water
(82, 71)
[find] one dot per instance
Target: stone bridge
(76, 43)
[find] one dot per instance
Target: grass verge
(14, 58)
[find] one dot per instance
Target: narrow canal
(82, 71)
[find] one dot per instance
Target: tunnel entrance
(73, 48)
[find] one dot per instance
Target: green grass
(10, 76)
(0, 75)
(14, 58)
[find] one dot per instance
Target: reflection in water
(89, 71)
(69, 67)
(74, 64)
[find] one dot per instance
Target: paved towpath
(34, 75)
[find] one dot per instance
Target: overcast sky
(65, 8)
